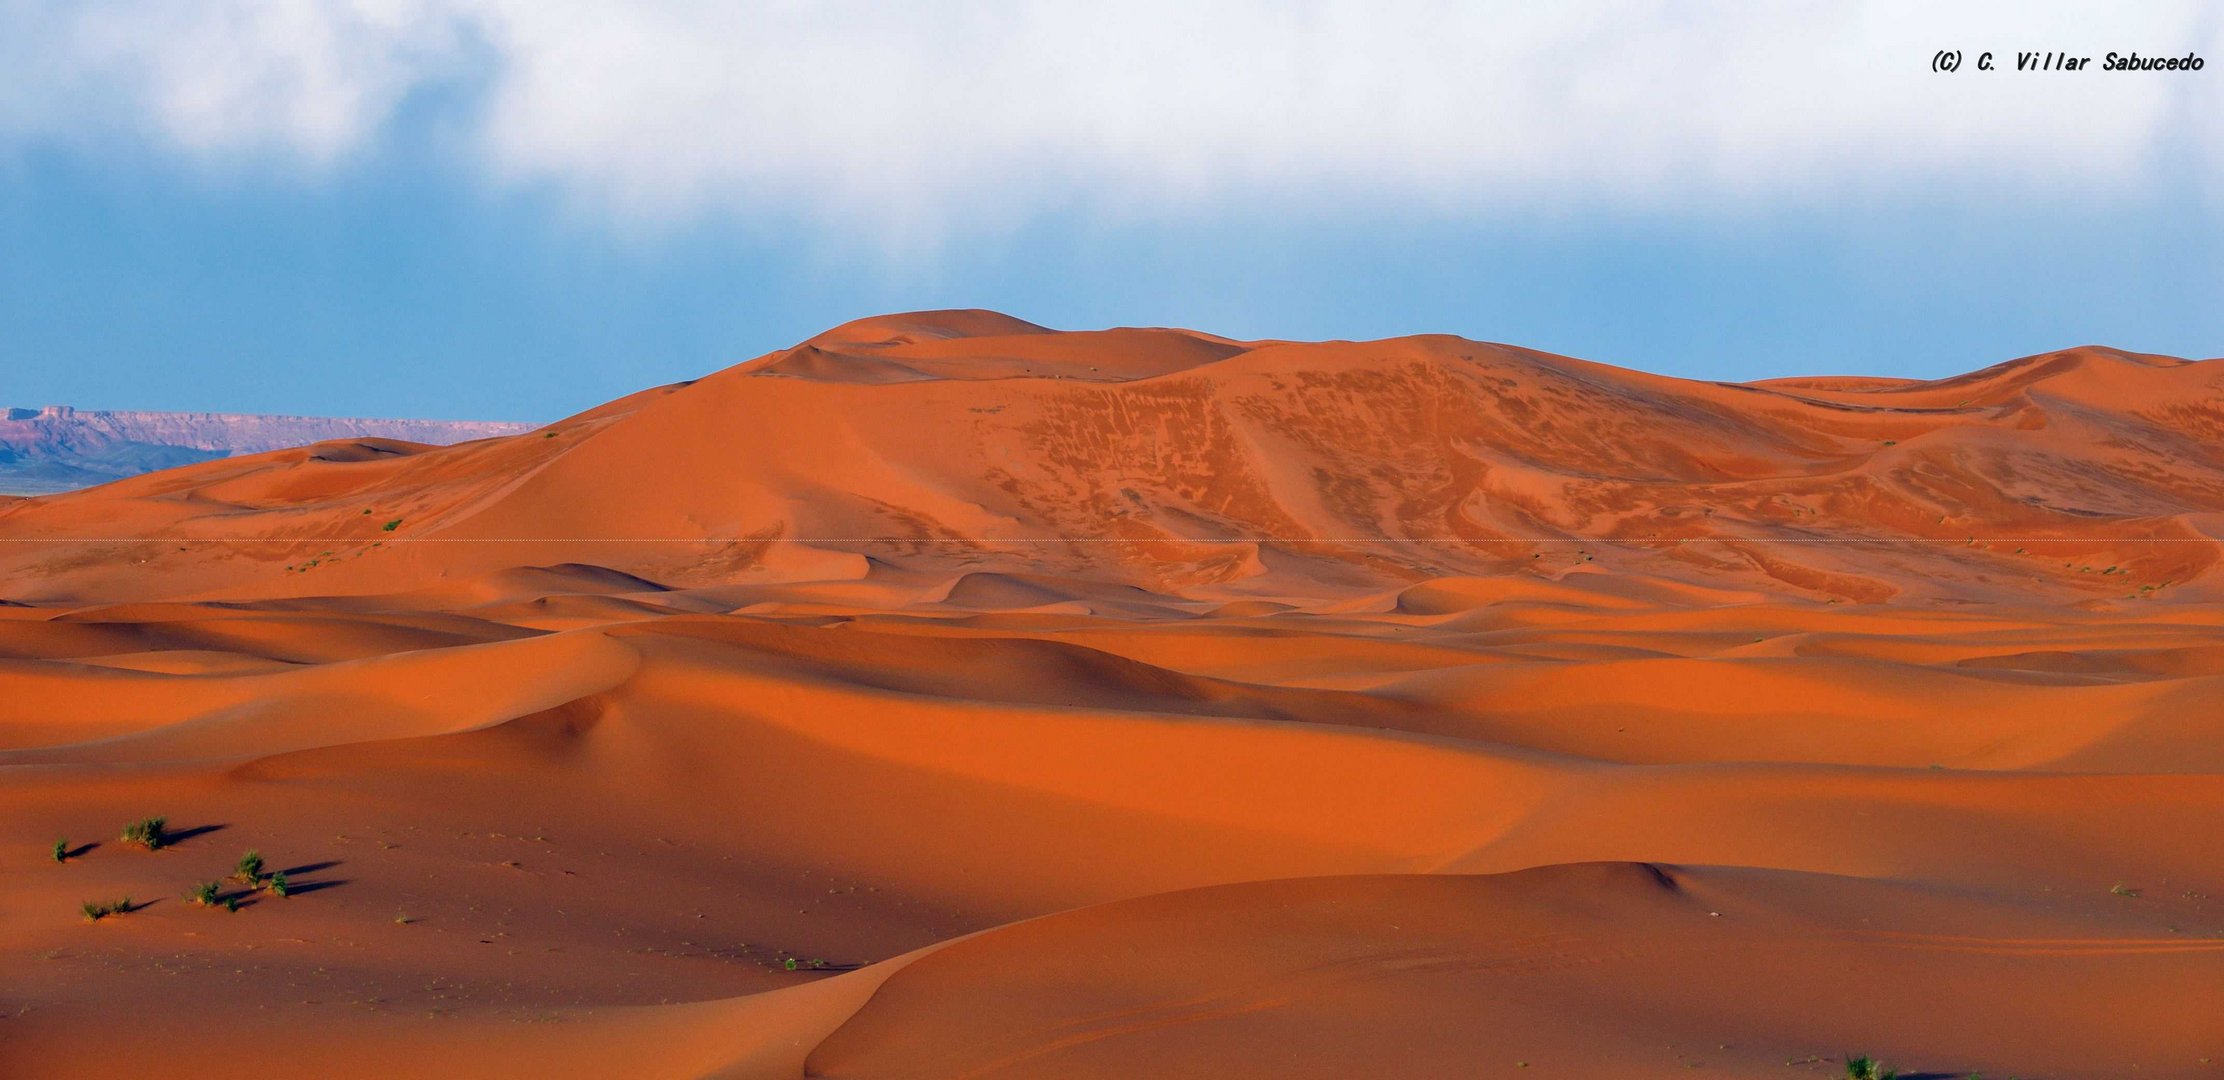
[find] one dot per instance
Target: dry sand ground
(1435, 709)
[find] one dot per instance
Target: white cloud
(916, 116)
(312, 79)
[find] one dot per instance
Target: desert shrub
(204, 894)
(277, 885)
(96, 910)
(62, 850)
(391, 525)
(147, 833)
(249, 869)
(1864, 1067)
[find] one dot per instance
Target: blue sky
(449, 208)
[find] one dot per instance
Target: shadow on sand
(174, 837)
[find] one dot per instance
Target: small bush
(96, 910)
(147, 833)
(62, 850)
(1864, 1067)
(391, 525)
(249, 869)
(204, 894)
(277, 885)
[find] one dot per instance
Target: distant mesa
(61, 448)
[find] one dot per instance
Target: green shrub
(204, 894)
(62, 850)
(147, 833)
(1864, 1067)
(277, 885)
(249, 869)
(391, 525)
(96, 910)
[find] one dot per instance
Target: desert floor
(1592, 805)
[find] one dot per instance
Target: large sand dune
(1145, 703)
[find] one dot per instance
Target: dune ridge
(951, 696)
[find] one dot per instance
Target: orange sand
(1144, 703)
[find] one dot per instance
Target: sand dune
(1145, 703)
(1177, 462)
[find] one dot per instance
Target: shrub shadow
(172, 837)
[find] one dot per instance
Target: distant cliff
(58, 448)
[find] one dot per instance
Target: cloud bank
(923, 115)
